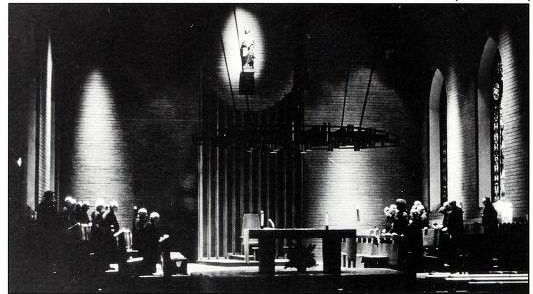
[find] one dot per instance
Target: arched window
(438, 158)
(490, 123)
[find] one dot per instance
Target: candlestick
(262, 215)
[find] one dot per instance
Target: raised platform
(227, 276)
(236, 261)
(206, 278)
(488, 282)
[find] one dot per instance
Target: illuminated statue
(247, 50)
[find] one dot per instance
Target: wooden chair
(249, 221)
(366, 247)
(431, 243)
(388, 246)
(349, 253)
(85, 232)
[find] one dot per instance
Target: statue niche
(247, 81)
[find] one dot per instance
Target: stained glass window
(443, 147)
(497, 168)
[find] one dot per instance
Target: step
(236, 262)
(239, 256)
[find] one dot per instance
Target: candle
(327, 219)
(262, 219)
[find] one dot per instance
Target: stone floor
(238, 278)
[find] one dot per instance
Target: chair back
(390, 250)
(430, 237)
(351, 247)
(473, 229)
(250, 221)
(367, 245)
(127, 238)
(85, 232)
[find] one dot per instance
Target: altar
(331, 245)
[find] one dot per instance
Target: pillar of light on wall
(454, 143)
(341, 171)
(99, 148)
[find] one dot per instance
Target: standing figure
(110, 218)
(490, 218)
(453, 229)
(47, 211)
(97, 234)
(138, 228)
(401, 220)
(47, 232)
(71, 237)
(97, 222)
(247, 49)
(444, 210)
(68, 213)
(82, 249)
(83, 213)
(421, 211)
(113, 250)
(455, 222)
(151, 237)
(489, 221)
(399, 227)
(414, 237)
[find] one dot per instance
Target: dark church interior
(268, 148)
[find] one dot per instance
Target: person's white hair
(142, 210)
(113, 204)
(154, 215)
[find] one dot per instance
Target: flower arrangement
(301, 257)
(390, 212)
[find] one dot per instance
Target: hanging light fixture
(306, 138)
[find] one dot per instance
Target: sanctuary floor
(208, 278)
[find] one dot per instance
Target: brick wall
(514, 49)
(344, 180)
(353, 187)
(129, 121)
(272, 50)
(459, 60)
(462, 81)
(461, 129)
(153, 92)
(30, 117)
(21, 107)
